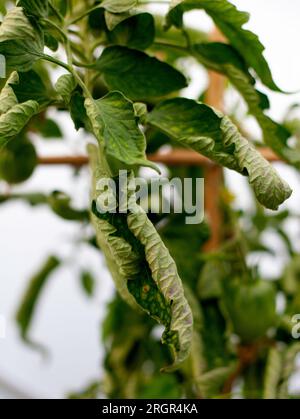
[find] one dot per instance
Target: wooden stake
(213, 175)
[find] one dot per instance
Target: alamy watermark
(126, 193)
(2, 67)
(296, 327)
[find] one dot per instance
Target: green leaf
(14, 116)
(178, 334)
(272, 374)
(224, 59)
(144, 272)
(138, 75)
(31, 87)
(38, 8)
(20, 43)
(118, 6)
(135, 31)
(212, 134)
(231, 22)
(88, 283)
(115, 127)
(34, 290)
(120, 259)
(65, 86)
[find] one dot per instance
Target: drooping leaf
(30, 300)
(164, 274)
(65, 86)
(212, 134)
(144, 272)
(20, 42)
(13, 115)
(224, 59)
(230, 21)
(120, 258)
(38, 8)
(115, 127)
(138, 75)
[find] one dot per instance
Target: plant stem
(83, 15)
(56, 12)
(56, 27)
(168, 45)
(55, 61)
(84, 65)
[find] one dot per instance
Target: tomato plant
(123, 70)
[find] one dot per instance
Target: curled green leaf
(212, 134)
(165, 275)
(13, 115)
(225, 59)
(144, 272)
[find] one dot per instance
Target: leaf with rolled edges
(212, 134)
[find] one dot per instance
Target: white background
(67, 322)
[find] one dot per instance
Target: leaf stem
(174, 46)
(56, 12)
(55, 61)
(83, 15)
(56, 27)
